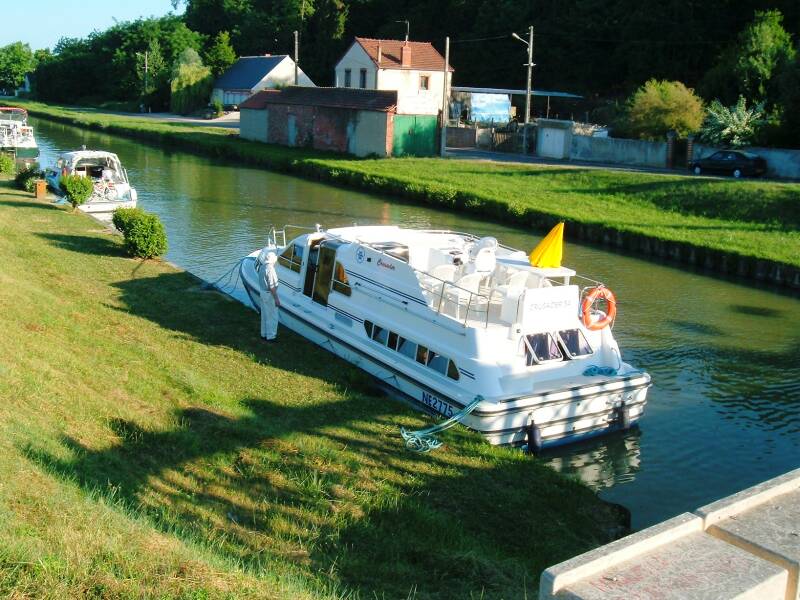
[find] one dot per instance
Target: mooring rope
(423, 440)
(229, 275)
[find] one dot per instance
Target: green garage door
(415, 135)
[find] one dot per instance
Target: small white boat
(111, 187)
(16, 136)
(444, 317)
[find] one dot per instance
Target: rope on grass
(228, 275)
(424, 440)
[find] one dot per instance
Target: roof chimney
(405, 55)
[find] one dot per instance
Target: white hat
(272, 258)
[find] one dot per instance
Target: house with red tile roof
(415, 70)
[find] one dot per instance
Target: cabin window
(424, 82)
(574, 343)
(368, 328)
(541, 348)
(452, 371)
(347, 77)
(362, 79)
(291, 258)
(422, 354)
(340, 282)
(437, 362)
(407, 348)
(393, 337)
(380, 335)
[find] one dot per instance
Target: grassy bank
(663, 214)
(153, 446)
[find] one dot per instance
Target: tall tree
(220, 55)
(764, 49)
(15, 61)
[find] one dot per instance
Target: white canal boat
(112, 190)
(16, 136)
(444, 317)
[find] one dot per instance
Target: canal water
(724, 409)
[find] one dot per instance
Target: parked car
(733, 162)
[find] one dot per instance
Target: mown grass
(753, 219)
(152, 446)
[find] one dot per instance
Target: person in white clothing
(270, 303)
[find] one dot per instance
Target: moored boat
(16, 136)
(112, 189)
(443, 318)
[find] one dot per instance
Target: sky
(42, 22)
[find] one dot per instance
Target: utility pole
(445, 98)
(529, 87)
(528, 91)
(296, 59)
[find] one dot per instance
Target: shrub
(77, 189)
(26, 178)
(218, 108)
(123, 217)
(145, 236)
(661, 106)
(7, 166)
(735, 126)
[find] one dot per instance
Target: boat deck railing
(444, 297)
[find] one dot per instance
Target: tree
(764, 48)
(661, 106)
(16, 60)
(191, 83)
(153, 75)
(733, 127)
(220, 54)
(750, 65)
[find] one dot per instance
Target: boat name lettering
(385, 265)
(551, 305)
(436, 404)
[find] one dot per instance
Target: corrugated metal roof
(534, 92)
(423, 55)
(246, 72)
(358, 99)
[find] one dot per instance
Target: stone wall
(619, 151)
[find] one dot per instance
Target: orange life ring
(588, 301)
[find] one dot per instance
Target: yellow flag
(548, 253)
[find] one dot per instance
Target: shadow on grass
(86, 244)
(351, 504)
(325, 488)
(755, 311)
(28, 204)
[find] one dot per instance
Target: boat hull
(560, 416)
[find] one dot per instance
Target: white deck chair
(464, 292)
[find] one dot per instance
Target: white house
(414, 69)
(251, 74)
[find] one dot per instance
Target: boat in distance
(443, 318)
(16, 136)
(111, 188)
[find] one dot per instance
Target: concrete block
(749, 498)
(765, 521)
(674, 559)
